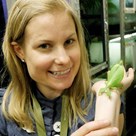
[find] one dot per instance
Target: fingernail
(115, 130)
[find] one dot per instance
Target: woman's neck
(50, 94)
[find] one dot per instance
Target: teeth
(61, 73)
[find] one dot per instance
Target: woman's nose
(62, 56)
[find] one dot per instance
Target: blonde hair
(20, 89)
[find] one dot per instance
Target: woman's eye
(44, 46)
(69, 42)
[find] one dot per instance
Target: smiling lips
(60, 73)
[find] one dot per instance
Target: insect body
(114, 78)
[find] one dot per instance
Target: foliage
(94, 6)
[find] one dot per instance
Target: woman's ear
(18, 50)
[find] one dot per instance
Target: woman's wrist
(114, 94)
(107, 108)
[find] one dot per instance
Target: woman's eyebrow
(71, 35)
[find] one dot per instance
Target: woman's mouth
(60, 73)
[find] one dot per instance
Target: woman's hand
(126, 82)
(96, 128)
(103, 103)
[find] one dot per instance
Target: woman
(50, 87)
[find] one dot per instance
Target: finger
(111, 131)
(127, 81)
(91, 126)
(129, 76)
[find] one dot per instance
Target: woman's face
(51, 52)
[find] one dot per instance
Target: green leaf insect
(114, 78)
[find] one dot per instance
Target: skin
(107, 123)
(52, 54)
(96, 128)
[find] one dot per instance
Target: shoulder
(2, 119)
(2, 91)
(3, 125)
(10, 128)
